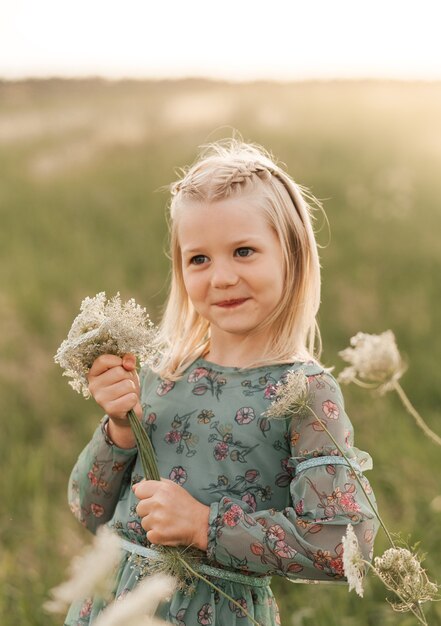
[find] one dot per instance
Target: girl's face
(232, 264)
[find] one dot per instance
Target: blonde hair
(227, 169)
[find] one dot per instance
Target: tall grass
(82, 163)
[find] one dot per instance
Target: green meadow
(83, 166)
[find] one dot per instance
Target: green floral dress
(280, 493)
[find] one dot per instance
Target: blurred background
(99, 104)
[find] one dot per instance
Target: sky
(231, 39)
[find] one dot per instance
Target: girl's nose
(223, 275)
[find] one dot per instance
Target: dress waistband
(203, 568)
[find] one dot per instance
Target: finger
(148, 529)
(108, 393)
(138, 410)
(129, 362)
(149, 508)
(120, 407)
(145, 488)
(103, 363)
(113, 375)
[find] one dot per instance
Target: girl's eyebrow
(191, 251)
(243, 241)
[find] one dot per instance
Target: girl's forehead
(228, 210)
(230, 220)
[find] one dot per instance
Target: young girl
(257, 496)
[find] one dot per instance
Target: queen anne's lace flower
(353, 564)
(373, 359)
(91, 573)
(290, 396)
(104, 327)
(401, 572)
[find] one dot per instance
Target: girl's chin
(233, 330)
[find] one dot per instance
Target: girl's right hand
(114, 384)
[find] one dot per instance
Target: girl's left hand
(170, 515)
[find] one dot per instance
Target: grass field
(82, 166)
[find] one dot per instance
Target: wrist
(201, 538)
(120, 435)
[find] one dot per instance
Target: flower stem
(364, 385)
(411, 409)
(420, 611)
(145, 448)
(340, 449)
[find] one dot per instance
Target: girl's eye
(198, 259)
(244, 252)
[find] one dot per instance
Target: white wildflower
(91, 573)
(373, 359)
(401, 572)
(104, 327)
(353, 563)
(137, 607)
(291, 396)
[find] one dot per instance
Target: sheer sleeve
(96, 481)
(304, 540)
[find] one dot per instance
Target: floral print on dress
(178, 475)
(235, 609)
(164, 387)
(324, 560)
(233, 515)
(182, 436)
(207, 379)
(150, 421)
(135, 527)
(228, 446)
(330, 409)
(96, 477)
(179, 617)
(284, 478)
(247, 486)
(272, 550)
(205, 416)
(337, 502)
(96, 509)
(205, 614)
(264, 424)
(266, 383)
(245, 415)
(323, 381)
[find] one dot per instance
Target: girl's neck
(236, 351)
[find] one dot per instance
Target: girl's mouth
(229, 304)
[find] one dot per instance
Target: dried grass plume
(137, 607)
(91, 573)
